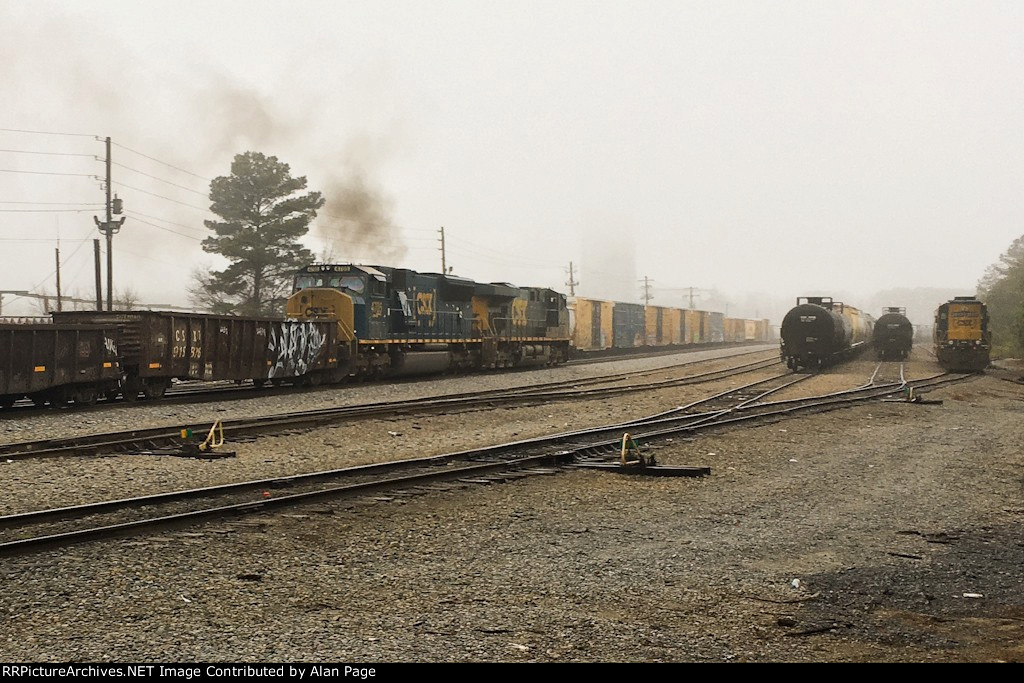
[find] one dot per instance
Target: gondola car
(55, 364)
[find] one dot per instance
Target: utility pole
(444, 268)
(691, 297)
(573, 282)
(99, 281)
(108, 228)
(57, 254)
(647, 290)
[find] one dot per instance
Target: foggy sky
(762, 150)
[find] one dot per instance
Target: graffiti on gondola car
(293, 347)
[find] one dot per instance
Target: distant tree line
(1002, 289)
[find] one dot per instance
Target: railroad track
(887, 372)
(208, 392)
(745, 405)
(160, 437)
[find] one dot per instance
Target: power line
(82, 175)
(483, 252)
(135, 170)
(86, 208)
(56, 203)
(52, 154)
(47, 132)
(53, 272)
(160, 227)
(472, 245)
(150, 258)
(133, 212)
(159, 161)
(42, 239)
(154, 194)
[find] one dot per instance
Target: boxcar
(628, 325)
(592, 324)
(674, 324)
(657, 326)
(57, 363)
(712, 327)
(732, 329)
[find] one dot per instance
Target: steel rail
(720, 418)
(93, 444)
(195, 392)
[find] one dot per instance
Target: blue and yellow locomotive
(395, 319)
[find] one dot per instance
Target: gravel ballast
(25, 426)
(853, 535)
(32, 484)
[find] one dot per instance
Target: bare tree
(204, 294)
(47, 303)
(126, 299)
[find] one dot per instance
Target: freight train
(819, 331)
(963, 342)
(893, 336)
(394, 318)
(342, 321)
(599, 325)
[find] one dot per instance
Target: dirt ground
(886, 532)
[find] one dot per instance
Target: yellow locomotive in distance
(963, 341)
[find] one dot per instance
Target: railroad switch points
(634, 461)
(652, 471)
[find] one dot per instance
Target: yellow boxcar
(730, 329)
(592, 324)
(691, 327)
(749, 330)
(673, 324)
(761, 330)
(704, 320)
(656, 326)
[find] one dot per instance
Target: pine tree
(263, 214)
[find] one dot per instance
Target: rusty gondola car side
(57, 363)
(158, 347)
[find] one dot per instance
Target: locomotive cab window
(351, 282)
